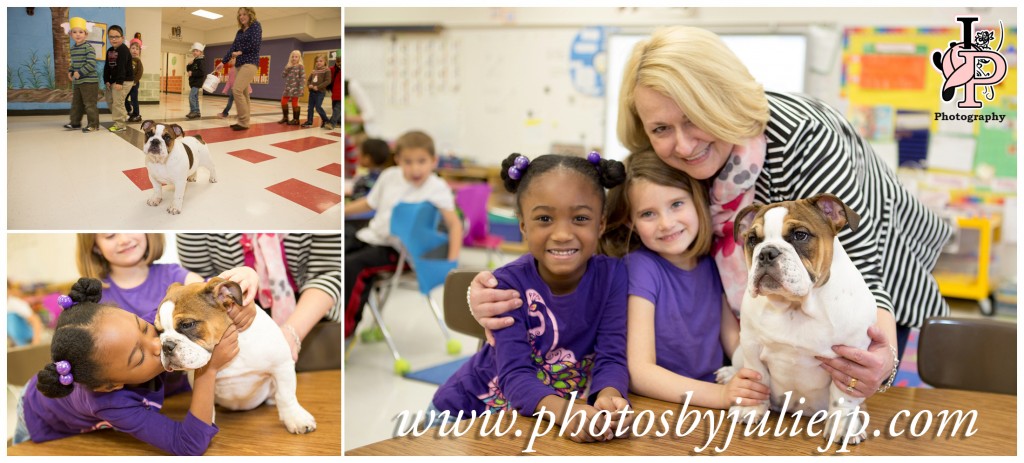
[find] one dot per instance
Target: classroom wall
(505, 83)
(50, 257)
(278, 50)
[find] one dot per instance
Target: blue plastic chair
(416, 227)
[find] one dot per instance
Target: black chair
(974, 354)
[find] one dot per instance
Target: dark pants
(336, 112)
(131, 102)
(316, 100)
(83, 100)
(363, 263)
(231, 100)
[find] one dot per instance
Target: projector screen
(778, 62)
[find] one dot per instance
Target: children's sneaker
(89, 129)
(328, 126)
(135, 119)
(115, 129)
(72, 126)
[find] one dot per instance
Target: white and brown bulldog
(173, 159)
(804, 295)
(192, 319)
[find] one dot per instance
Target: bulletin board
(893, 88)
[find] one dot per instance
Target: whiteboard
(778, 62)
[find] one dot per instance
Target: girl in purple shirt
(570, 336)
(680, 326)
(107, 373)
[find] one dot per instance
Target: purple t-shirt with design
(687, 312)
(558, 344)
(144, 300)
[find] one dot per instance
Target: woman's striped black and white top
(314, 260)
(813, 149)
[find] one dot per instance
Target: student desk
(996, 434)
(253, 432)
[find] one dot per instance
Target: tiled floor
(274, 177)
(374, 394)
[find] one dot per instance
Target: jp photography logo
(970, 64)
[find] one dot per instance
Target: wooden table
(996, 432)
(253, 432)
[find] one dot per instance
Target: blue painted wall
(31, 34)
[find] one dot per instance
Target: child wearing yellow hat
(84, 80)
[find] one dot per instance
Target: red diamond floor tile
(313, 198)
(299, 145)
(333, 169)
(140, 177)
(225, 133)
(252, 156)
(336, 134)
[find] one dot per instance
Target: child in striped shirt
(84, 80)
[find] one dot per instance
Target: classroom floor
(271, 176)
(374, 394)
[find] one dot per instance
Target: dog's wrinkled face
(191, 320)
(160, 140)
(788, 245)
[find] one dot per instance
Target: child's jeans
(193, 100)
(131, 102)
(316, 100)
(437, 421)
(336, 112)
(231, 100)
(21, 429)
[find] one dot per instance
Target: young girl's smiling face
(666, 220)
(561, 220)
(122, 249)
(78, 35)
(321, 62)
(295, 58)
(127, 349)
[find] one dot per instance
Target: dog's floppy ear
(225, 292)
(743, 220)
(178, 131)
(836, 212)
(148, 125)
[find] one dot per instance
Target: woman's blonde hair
(252, 16)
(92, 264)
(645, 166)
(694, 68)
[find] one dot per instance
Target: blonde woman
(246, 51)
(686, 96)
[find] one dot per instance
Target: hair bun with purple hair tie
(65, 301)
(515, 171)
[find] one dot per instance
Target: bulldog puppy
(172, 159)
(192, 319)
(804, 295)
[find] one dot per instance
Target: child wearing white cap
(196, 76)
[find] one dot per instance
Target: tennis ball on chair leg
(402, 366)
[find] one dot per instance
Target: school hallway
(271, 176)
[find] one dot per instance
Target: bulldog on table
(191, 321)
(804, 295)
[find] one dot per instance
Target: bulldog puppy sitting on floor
(804, 295)
(191, 321)
(173, 159)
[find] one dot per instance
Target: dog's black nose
(169, 346)
(767, 255)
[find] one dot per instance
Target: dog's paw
(848, 424)
(154, 200)
(749, 414)
(298, 421)
(213, 179)
(173, 210)
(724, 374)
(191, 178)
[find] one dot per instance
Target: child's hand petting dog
(225, 350)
